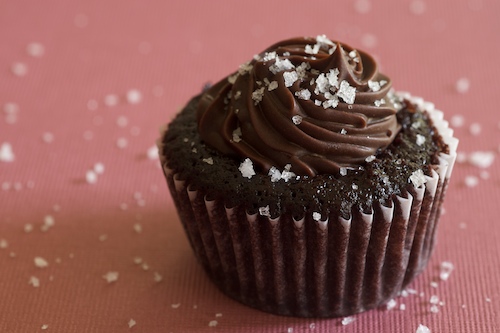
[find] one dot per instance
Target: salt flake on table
(111, 277)
(445, 270)
(471, 181)
(153, 153)
(157, 277)
(122, 143)
(44, 326)
(134, 96)
(35, 49)
(111, 100)
(47, 137)
(212, 323)
(6, 153)
(423, 329)
(391, 304)
(457, 120)
(41, 262)
(475, 129)
(3, 244)
(462, 85)
(19, 69)
(34, 281)
(91, 177)
(482, 159)
(348, 320)
(175, 306)
(131, 323)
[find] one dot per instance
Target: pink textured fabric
(83, 83)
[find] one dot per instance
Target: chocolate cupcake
(305, 184)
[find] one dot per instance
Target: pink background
(126, 223)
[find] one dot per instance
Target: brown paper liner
(308, 268)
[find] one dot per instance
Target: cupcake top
(305, 105)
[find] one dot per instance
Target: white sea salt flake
(209, 160)
(35, 49)
(457, 121)
(257, 95)
(34, 281)
(175, 306)
(6, 153)
(272, 85)
(374, 85)
(417, 7)
(420, 139)
(153, 153)
(317, 102)
(290, 78)
(281, 65)
(369, 40)
(370, 158)
(157, 277)
(111, 100)
(134, 96)
(303, 94)
(391, 304)
(343, 131)
(312, 49)
(475, 129)
(28, 227)
(269, 56)
(131, 323)
(286, 174)
(481, 159)
(462, 85)
(434, 299)
(423, 329)
(111, 276)
(40, 262)
(346, 92)
(418, 178)
(138, 228)
(264, 211)
(19, 69)
(47, 137)
(3, 244)
(434, 284)
(434, 309)
(275, 174)
(237, 135)
(316, 216)
(246, 168)
(212, 323)
(44, 326)
(91, 177)
(343, 171)
(331, 103)
(402, 307)
(297, 119)
(348, 320)
(49, 221)
(471, 181)
(99, 168)
(379, 102)
(445, 270)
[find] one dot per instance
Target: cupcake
(305, 184)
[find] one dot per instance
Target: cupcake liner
(331, 267)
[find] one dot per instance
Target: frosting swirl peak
(316, 105)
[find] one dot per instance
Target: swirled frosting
(309, 105)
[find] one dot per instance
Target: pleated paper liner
(309, 268)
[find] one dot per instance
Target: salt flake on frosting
(346, 92)
(418, 178)
(297, 119)
(303, 94)
(246, 168)
(257, 95)
(290, 78)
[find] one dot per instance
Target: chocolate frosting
(310, 103)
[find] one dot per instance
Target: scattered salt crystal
(482, 159)
(18, 186)
(368, 40)
(91, 177)
(99, 168)
(418, 178)
(41, 262)
(348, 320)
(246, 168)
(462, 85)
(122, 143)
(264, 211)
(290, 330)
(28, 228)
(272, 86)
(461, 157)
(212, 323)
(111, 100)
(445, 270)
(138, 228)
(471, 181)
(34, 281)
(343, 171)
(6, 153)
(303, 94)
(434, 309)
(153, 153)
(488, 299)
(434, 299)
(316, 216)
(145, 266)
(420, 139)
(312, 326)
(19, 69)
(47, 137)
(103, 237)
(343, 131)
(346, 92)
(475, 129)
(484, 175)
(44, 326)
(111, 277)
(3, 244)
(370, 158)
(290, 78)
(417, 7)
(297, 119)
(434, 284)
(237, 135)
(457, 121)
(175, 306)
(92, 104)
(362, 6)
(275, 174)
(134, 96)
(209, 160)
(122, 121)
(35, 49)
(131, 323)
(218, 315)
(391, 304)
(157, 277)
(423, 329)
(402, 307)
